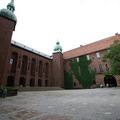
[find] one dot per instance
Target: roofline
(86, 54)
(30, 49)
(90, 43)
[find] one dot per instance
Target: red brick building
(21, 65)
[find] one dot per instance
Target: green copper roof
(57, 48)
(8, 13)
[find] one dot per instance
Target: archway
(22, 81)
(110, 81)
(31, 82)
(46, 82)
(39, 82)
(10, 81)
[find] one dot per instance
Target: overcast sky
(73, 22)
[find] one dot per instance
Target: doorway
(110, 81)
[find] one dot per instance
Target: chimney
(116, 34)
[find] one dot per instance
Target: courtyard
(84, 104)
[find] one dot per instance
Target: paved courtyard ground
(89, 104)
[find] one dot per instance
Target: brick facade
(27, 67)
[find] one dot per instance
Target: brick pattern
(17, 75)
(6, 30)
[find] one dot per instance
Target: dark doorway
(110, 81)
(22, 81)
(31, 82)
(46, 82)
(10, 81)
(39, 82)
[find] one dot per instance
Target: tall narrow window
(40, 68)
(13, 62)
(33, 67)
(46, 69)
(77, 59)
(24, 65)
(100, 67)
(107, 68)
(88, 57)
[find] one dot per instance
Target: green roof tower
(9, 12)
(57, 48)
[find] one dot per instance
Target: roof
(91, 48)
(30, 49)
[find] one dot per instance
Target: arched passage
(22, 81)
(39, 82)
(46, 82)
(10, 81)
(110, 81)
(31, 82)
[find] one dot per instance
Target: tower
(58, 71)
(7, 26)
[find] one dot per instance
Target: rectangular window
(98, 55)
(100, 67)
(88, 57)
(78, 59)
(108, 50)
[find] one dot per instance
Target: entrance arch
(31, 82)
(10, 81)
(22, 81)
(110, 80)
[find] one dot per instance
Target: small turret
(8, 13)
(57, 48)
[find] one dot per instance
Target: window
(88, 57)
(98, 55)
(108, 50)
(107, 68)
(78, 59)
(11, 61)
(100, 67)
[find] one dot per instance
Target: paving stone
(89, 104)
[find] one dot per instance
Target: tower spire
(11, 6)
(57, 48)
(9, 12)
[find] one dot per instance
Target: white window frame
(88, 57)
(98, 55)
(77, 59)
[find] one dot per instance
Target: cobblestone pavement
(89, 104)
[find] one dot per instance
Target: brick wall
(6, 30)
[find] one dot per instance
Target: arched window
(24, 64)
(22, 81)
(46, 82)
(39, 82)
(33, 67)
(13, 62)
(10, 81)
(46, 70)
(40, 69)
(31, 82)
